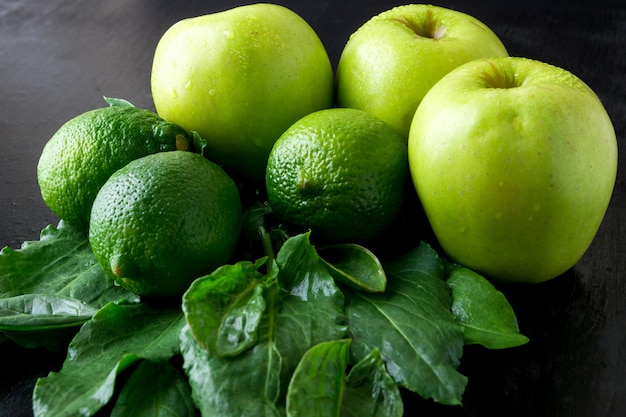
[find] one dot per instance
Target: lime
(163, 220)
(340, 173)
(87, 149)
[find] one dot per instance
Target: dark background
(59, 57)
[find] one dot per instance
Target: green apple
(514, 161)
(240, 78)
(393, 59)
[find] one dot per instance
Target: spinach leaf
(370, 391)
(61, 263)
(355, 266)
(155, 389)
(37, 312)
(53, 283)
(116, 337)
(412, 326)
(303, 307)
(320, 388)
(246, 385)
(310, 306)
(483, 311)
(224, 309)
(317, 385)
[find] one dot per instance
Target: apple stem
(429, 28)
(500, 79)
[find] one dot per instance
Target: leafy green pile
(287, 334)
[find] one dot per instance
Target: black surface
(58, 58)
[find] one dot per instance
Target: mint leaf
(483, 311)
(412, 326)
(116, 337)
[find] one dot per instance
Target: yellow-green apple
(514, 161)
(394, 58)
(239, 78)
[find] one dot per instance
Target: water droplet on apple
(173, 93)
(229, 34)
(188, 85)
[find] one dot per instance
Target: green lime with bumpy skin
(86, 150)
(163, 220)
(340, 173)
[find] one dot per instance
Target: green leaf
(310, 309)
(246, 385)
(120, 102)
(48, 280)
(116, 337)
(61, 263)
(306, 309)
(52, 338)
(412, 326)
(355, 266)
(370, 391)
(155, 389)
(253, 219)
(254, 229)
(199, 144)
(317, 385)
(37, 312)
(224, 308)
(483, 311)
